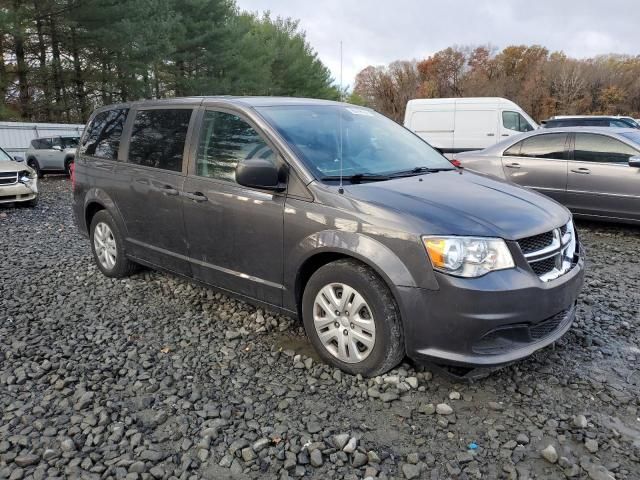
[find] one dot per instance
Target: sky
(377, 32)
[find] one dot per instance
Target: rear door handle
(196, 196)
(512, 165)
(169, 190)
(583, 171)
(505, 135)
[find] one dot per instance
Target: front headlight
(468, 256)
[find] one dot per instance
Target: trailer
(15, 137)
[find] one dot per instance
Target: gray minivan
(336, 214)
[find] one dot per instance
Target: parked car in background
(453, 125)
(593, 171)
(590, 121)
(18, 182)
(337, 214)
(51, 154)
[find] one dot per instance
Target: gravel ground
(155, 377)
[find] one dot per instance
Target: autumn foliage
(543, 83)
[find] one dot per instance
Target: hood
(11, 166)
(465, 203)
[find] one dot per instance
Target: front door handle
(512, 165)
(196, 196)
(169, 190)
(583, 171)
(491, 134)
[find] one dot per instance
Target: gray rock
(248, 454)
(359, 459)
(410, 471)
(316, 458)
(341, 440)
(550, 454)
(591, 445)
(313, 427)
(26, 460)
(351, 445)
(444, 409)
(580, 421)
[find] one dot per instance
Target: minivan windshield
(368, 143)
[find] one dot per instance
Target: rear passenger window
(591, 147)
(102, 138)
(158, 138)
(551, 145)
(225, 140)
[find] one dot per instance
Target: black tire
(388, 350)
(67, 166)
(33, 163)
(123, 266)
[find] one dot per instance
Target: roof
(612, 131)
(248, 101)
(466, 100)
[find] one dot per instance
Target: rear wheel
(352, 319)
(107, 246)
(33, 163)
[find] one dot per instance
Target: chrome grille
(551, 254)
(8, 178)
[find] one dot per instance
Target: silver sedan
(594, 171)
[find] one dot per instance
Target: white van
(455, 125)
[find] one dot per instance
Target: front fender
(414, 271)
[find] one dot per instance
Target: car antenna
(340, 188)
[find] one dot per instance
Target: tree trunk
(42, 57)
(78, 80)
(4, 81)
(21, 70)
(57, 75)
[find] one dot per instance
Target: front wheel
(67, 166)
(352, 319)
(33, 163)
(107, 246)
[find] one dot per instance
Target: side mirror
(18, 158)
(634, 161)
(259, 173)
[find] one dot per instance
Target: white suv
(51, 154)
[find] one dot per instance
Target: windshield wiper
(358, 177)
(419, 170)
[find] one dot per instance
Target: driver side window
(225, 139)
(515, 121)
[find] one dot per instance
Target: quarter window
(158, 138)
(551, 145)
(102, 137)
(515, 121)
(224, 141)
(591, 147)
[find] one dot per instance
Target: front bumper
(488, 321)
(18, 192)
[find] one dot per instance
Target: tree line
(543, 83)
(59, 59)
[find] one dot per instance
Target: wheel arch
(338, 245)
(96, 200)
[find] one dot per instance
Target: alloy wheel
(105, 245)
